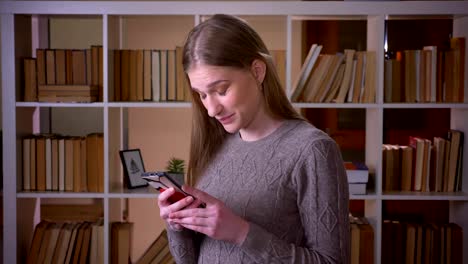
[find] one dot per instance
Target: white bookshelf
(115, 114)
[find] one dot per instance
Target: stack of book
(68, 234)
(358, 176)
(424, 165)
(52, 162)
(341, 77)
(64, 75)
(158, 75)
(158, 252)
(426, 75)
(411, 242)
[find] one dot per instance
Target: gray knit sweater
(291, 186)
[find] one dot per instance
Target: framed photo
(133, 167)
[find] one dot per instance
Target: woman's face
(230, 95)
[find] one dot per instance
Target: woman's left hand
(215, 220)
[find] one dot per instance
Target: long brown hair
(225, 40)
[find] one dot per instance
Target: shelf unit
(115, 114)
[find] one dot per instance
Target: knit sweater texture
(290, 186)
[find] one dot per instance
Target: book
(124, 75)
(30, 80)
(132, 76)
(72, 212)
(50, 66)
(120, 246)
(171, 75)
(79, 67)
(139, 71)
(55, 163)
(41, 66)
(357, 172)
(26, 164)
(40, 164)
(359, 74)
(155, 76)
(147, 96)
(406, 168)
(346, 83)
(54, 235)
(35, 248)
(154, 249)
(62, 243)
(306, 71)
(117, 76)
(357, 188)
(455, 158)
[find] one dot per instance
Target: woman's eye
(222, 92)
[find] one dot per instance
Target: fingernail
(189, 199)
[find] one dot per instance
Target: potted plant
(176, 169)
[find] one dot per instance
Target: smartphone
(165, 182)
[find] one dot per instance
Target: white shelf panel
(305, 18)
(59, 195)
(235, 7)
(363, 197)
(142, 192)
(73, 105)
(333, 105)
(151, 104)
(426, 105)
(427, 196)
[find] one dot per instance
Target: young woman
(270, 187)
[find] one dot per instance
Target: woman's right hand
(166, 207)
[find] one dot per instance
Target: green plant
(175, 165)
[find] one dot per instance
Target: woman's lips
(226, 120)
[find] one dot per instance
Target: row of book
(158, 252)
(68, 242)
(53, 162)
(424, 165)
(339, 78)
(362, 240)
(149, 75)
(407, 242)
(83, 242)
(80, 242)
(68, 233)
(64, 75)
(426, 75)
(158, 75)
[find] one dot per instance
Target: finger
(200, 229)
(163, 196)
(181, 204)
(199, 194)
(196, 204)
(187, 213)
(193, 220)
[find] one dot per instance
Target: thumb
(198, 194)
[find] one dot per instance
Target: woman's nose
(213, 106)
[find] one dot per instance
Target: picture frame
(133, 167)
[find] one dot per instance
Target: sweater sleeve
(322, 199)
(184, 245)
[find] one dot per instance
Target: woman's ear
(259, 70)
